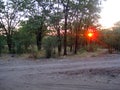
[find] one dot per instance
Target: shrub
(49, 43)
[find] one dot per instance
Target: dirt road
(92, 73)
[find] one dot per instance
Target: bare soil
(101, 72)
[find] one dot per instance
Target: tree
(55, 20)
(10, 16)
(23, 41)
(1, 5)
(116, 36)
(36, 26)
(110, 38)
(85, 13)
(66, 6)
(38, 15)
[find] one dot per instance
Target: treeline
(53, 26)
(111, 37)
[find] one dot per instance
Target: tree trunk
(65, 36)
(65, 28)
(39, 40)
(71, 48)
(76, 42)
(59, 41)
(9, 43)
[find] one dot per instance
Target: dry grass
(83, 54)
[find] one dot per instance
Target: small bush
(49, 43)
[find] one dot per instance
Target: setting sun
(90, 34)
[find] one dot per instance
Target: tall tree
(86, 13)
(36, 26)
(10, 16)
(55, 20)
(66, 6)
(38, 15)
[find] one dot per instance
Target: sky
(110, 13)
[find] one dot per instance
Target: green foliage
(112, 38)
(39, 15)
(2, 43)
(116, 36)
(22, 41)
(11, 13)
(35, 25)
(1, 5)
(49, 44)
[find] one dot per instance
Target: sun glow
(90, 34)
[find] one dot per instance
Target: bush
(2, 43)
(49, 44)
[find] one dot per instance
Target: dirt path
(92, 73)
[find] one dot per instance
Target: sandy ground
(90, 73)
